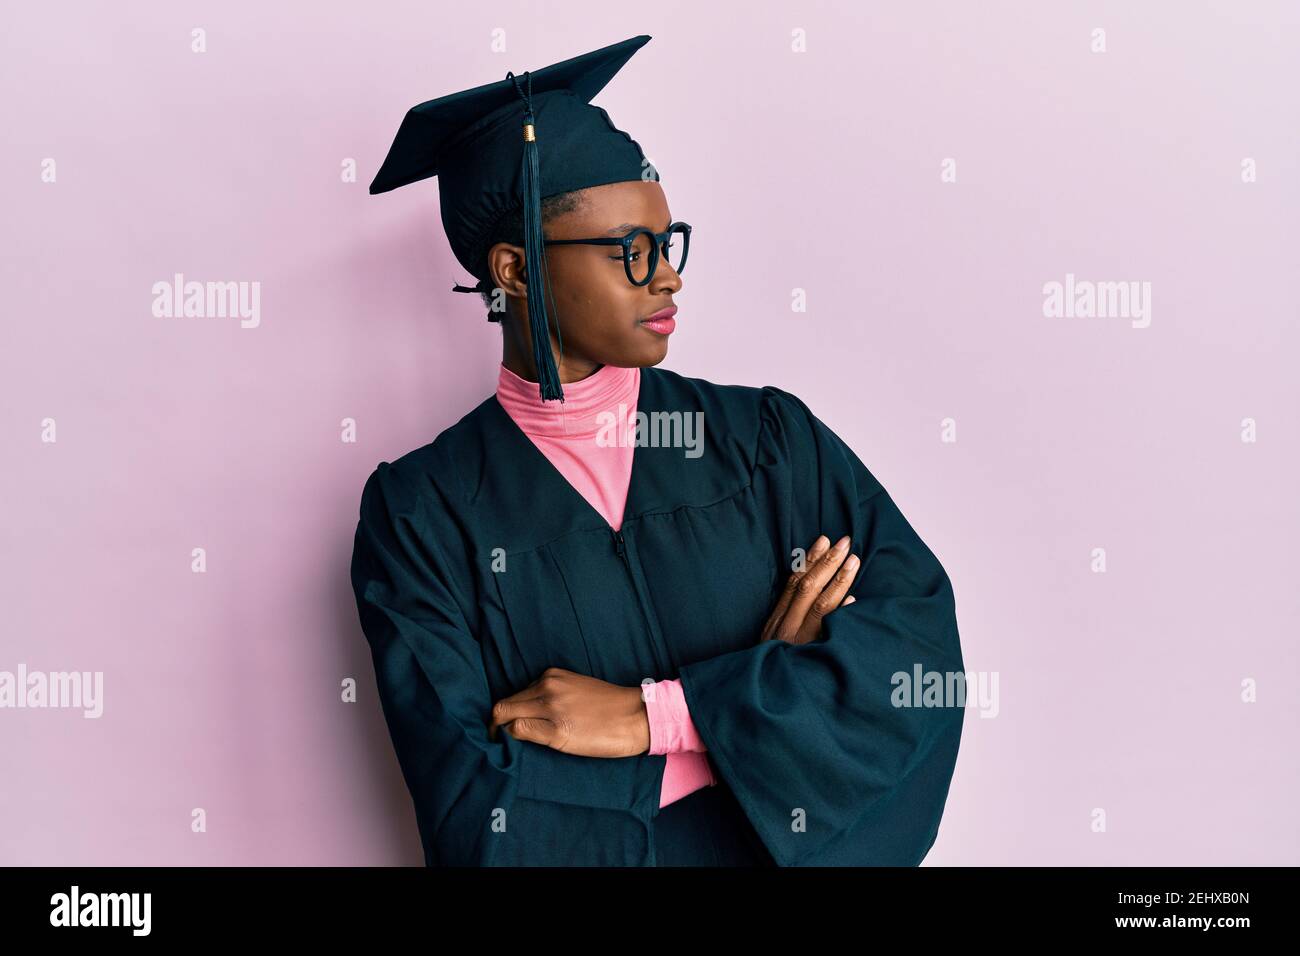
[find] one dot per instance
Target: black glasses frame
(658, 240)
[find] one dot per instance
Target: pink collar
(577, 416)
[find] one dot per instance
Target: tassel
(548, 376)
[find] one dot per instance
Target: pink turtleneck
(566, 434)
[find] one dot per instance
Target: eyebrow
(624, 228)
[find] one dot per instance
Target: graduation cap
(513, 143)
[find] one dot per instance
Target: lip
(667, 313)
(660, 326)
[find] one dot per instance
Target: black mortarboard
(511, 143)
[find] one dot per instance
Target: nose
(665, 279)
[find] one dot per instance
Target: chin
(653, 355)
(639, 354)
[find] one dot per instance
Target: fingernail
(842, 544)
(852, 563)
(821, 542)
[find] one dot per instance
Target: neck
(517, 356)
(587, 407)
(570, 369)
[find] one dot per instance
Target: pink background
(818, 171)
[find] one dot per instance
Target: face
(601, 315)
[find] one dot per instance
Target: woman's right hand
(813, 593)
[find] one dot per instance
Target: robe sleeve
(827, 769)
(478, 801)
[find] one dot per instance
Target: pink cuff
(673, 733)
(685, 773)
(671, 729)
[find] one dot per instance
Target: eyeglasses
(641, 250)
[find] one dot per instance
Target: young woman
(598, 637)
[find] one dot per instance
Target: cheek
(600, 310)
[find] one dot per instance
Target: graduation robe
(476, 566)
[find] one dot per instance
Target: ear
(506, 268)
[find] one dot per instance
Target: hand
(576, 714)
(813, 593)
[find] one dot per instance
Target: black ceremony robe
(817, 765)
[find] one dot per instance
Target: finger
(814, 553)
(838, 588)
(819, 594)
(810, 558)
(531, 728)
(514, 708)
(536, 690)
(829, 599)
(819, 548)
(810, 587)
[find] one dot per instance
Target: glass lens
(640, 257)
(674, 250)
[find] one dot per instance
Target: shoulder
(765, 425)
(732, 414)
(737, 400)
(429, 472)
(703, 392)
(761, 407)
(792, 435)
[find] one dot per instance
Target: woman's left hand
(576, 714)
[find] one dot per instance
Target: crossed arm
(581, 715)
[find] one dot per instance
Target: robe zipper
(621, 548)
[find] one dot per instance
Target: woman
(586, 648)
